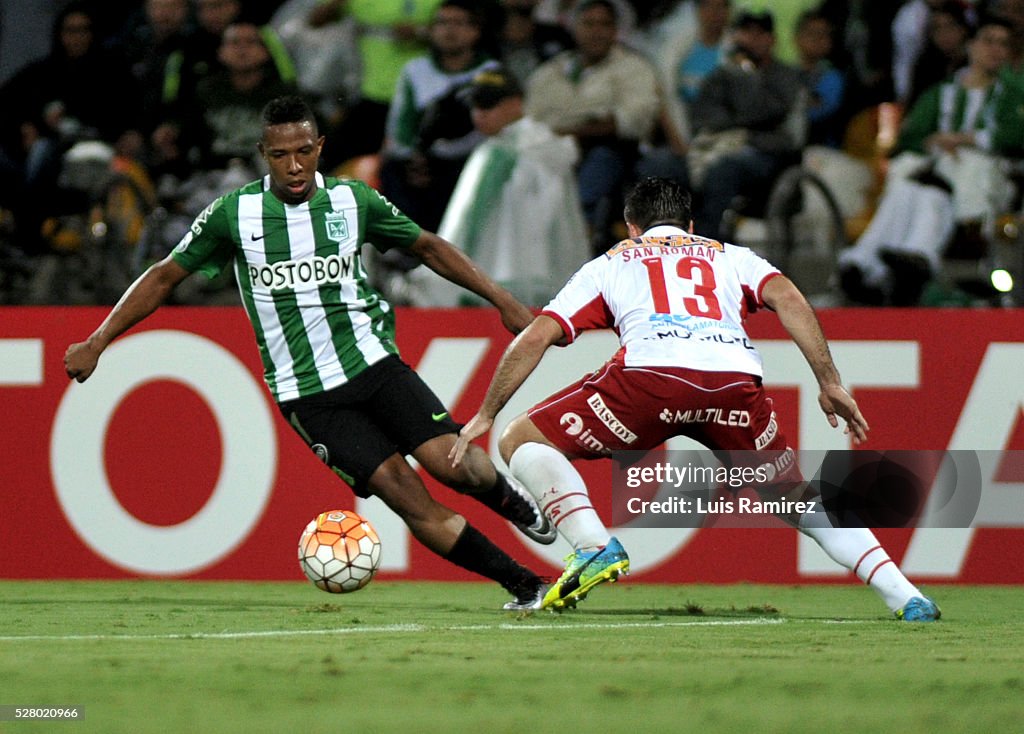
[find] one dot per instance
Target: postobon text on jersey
(292, 274)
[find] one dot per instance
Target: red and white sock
(561, 493)
(859, 550)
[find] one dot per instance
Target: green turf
(196, 657)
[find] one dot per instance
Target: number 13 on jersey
(699, 272)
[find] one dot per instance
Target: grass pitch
(197, 657)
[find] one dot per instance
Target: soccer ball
(339, 551)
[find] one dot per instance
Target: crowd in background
(722, 94)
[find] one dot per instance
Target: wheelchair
(798, 224)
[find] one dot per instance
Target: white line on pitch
(397, 628)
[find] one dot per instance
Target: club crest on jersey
(337, 226)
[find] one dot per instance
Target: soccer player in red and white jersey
(677, 302)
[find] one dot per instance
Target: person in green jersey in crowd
(390, 33)
(327, 339)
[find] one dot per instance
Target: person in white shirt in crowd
(604, 95)
(515, 209)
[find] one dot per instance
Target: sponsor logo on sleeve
(204, 216)
(394, 209)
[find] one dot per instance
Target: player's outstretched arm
(517, 363)
(798, 318)
(141, 299)
(454, 265)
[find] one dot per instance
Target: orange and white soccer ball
(339, 551)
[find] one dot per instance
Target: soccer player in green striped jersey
(327, 339)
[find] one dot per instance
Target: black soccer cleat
(521, 505)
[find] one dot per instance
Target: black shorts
(354, 428)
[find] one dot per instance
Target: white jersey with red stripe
(675, 299)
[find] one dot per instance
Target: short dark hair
(809, 16)
(585, 5)
(470, 7)
(989, 19)
(290, 108)
(655, 200)
(961, 14)
(763, 20)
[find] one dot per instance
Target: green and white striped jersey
(318, 322)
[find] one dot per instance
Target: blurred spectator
(390, 34)
(654, 12)
(695, 53)
(181, 127)
(945, 50)
(863, 50)
(326, 58)
(785, 14)
(909, 33)
(147, 43)
(660, 24)
(213, 18)
(429, 130)
(945, 175)
(515, 209)
(527, 43)
(1013, 12)
(685, 60)
(77, 92)
(201, 56)
(198, 58)
(605, 96)
(750, 122)
(825, 84)
(226, 123)
(562, 12)
(555, 11)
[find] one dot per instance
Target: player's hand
(515, 316)
(477, 426)
(80, 360)
(836, 401)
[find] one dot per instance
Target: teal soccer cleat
(919, 609)
(583, 572)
